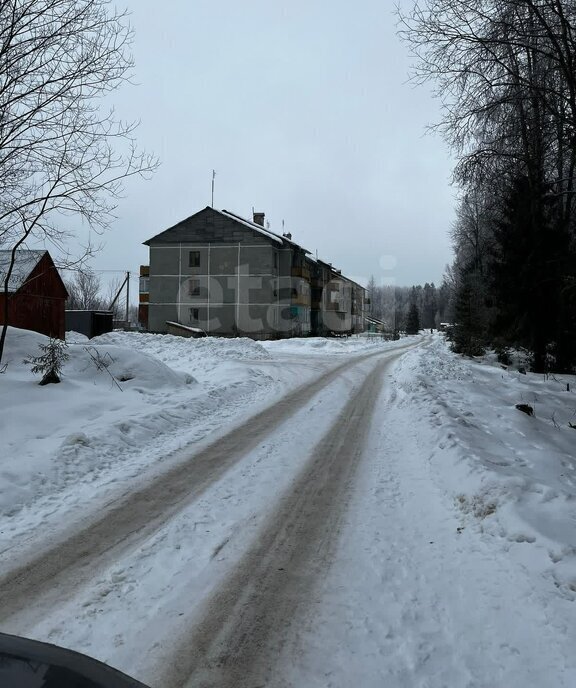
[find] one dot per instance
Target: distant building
(36, 293)
(224, 275)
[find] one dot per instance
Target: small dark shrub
(50, 361)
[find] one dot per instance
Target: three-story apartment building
(224, 275)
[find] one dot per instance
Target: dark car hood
(28, 663)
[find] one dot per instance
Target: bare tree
(61, 153)
(84, 291)
(506, 76)
(471, 233)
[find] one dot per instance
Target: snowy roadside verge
(440, 577)
(114, 401)
(514, 480)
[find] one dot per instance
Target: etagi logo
(253, 303)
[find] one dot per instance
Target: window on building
(193, 287)
(194, 315)
(194, 259)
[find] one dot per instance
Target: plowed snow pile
(515, 479)
(120, 393)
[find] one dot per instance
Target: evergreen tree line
(505, 71)
(408, 309)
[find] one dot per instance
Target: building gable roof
(171, 231)
(251, 225)
(24, 263)
(242, 221)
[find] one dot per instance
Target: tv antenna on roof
(213, 177)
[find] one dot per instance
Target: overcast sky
(303, 110)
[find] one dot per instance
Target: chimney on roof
(258, 218)
(288, 236)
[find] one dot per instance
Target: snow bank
(76, 337)
(515, 475)
(326, 346)
(203, 357)
(56, 434)
(184, 348)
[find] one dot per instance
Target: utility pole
(127, 299)
(127, 283)
(213, 177)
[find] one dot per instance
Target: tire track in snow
(247, 622)
(42, 581)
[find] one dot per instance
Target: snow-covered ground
(456, 558)
(457, 563)
(126, 401)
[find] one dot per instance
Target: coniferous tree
(49, 362)
(429, 306)
(413, 320)
(531, 252)
(469, 333)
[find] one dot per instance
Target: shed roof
(25, 261)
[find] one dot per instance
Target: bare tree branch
(60, 151)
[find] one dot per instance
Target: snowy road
(248, 620)
(293, 538)
(325, 514)
(143, 511)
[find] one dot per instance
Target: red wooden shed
(36, 293)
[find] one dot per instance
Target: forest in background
(408, 309)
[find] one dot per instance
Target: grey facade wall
(337, 302)
(210, 273)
